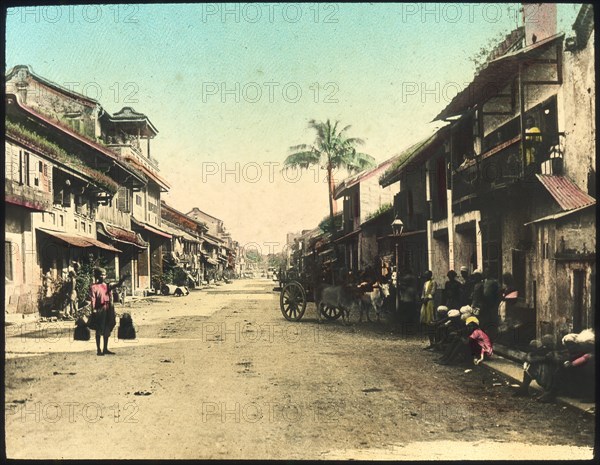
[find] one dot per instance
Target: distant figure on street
(452, 290)
(427, 308)
(467, 286)
(491, 299)
(477, 294)
(408, 297)
(72, 294)
(102, 305)
(509, 296)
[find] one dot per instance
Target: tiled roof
(360, 177)
(121, 234)
(565, 192)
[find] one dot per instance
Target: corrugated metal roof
(565, 192)
(557, 215)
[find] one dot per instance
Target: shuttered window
(123, 199)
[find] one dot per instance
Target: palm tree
(331, 150)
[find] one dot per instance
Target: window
(123, 199)
(90, 228)
(8, 260)
(76, 224)
(62, 221)
(67, 199)
(21, 167)
(58, 198)
(41, 167)
(26, 168)
(82, 226)
(138, 200)
(545, 251)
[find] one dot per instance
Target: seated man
(567, 371)
(544, 365)
(447, 325)
(468, 341)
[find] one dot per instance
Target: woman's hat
(472, 319)
(465, 309)
(442, 308)
(453, 314)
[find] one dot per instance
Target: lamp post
(397, 227)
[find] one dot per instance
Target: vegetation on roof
(325, 224)
(404, 158)
(386, 207)
(59, 155)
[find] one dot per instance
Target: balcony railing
(27, 196)
(495, 168)
(128, 150)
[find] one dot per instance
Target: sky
(230, 87)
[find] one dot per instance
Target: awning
(79, 241)
(348, 236)
(174, 231)
(211, 241)
(491, 79)
(565, 192)
(121, 235)
(404, 234)
(210, 261)
(557, 215)
(152, 229)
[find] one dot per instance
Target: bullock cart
(299, 288)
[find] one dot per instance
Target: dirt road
(220, 374)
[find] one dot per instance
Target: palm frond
(300, 148)
(302, 160)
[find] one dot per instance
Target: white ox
(346, 300)
(374, 300)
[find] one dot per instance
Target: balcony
(493, 169)
(27, 196)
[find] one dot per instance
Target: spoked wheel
(331, 313)
(292, 301)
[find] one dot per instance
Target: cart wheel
(331, 313)
(293, 301)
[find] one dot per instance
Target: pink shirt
(99, 295)
(479, 339)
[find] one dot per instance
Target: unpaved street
(221, 374)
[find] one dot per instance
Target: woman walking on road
(102, 306)
(72, 294)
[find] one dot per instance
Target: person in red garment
(479, 341)
(102, 305)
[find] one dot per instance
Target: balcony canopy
(491, 79)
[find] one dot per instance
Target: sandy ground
(221, 374)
